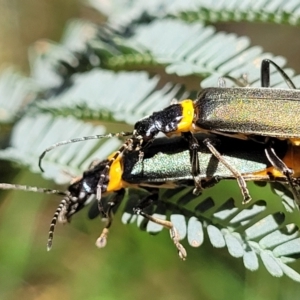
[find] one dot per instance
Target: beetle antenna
(81, 139)
(26, 188)
(265, 74)
(62, 207)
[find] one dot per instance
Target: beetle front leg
(102, 240)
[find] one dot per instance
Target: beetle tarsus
(169, 225)
(175, 237)
(102, 240)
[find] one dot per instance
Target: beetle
(240, 112)
(261, 114)
(245, 113)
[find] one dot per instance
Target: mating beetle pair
(261, 114)
(166, 164)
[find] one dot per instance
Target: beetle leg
(193, 149)
(102, 240)
(173, 231)
(208, 183)
(167, 224)
(241, 181)
(283, 168)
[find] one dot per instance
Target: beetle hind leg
(287, 172)
(240, 179)
(167, 224)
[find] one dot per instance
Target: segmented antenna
(26, 188)
(62, 205)
(81, 139)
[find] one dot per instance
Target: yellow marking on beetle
(271, 170)
(295, 141)
(115, 174)
(292, 159)
(188, 111)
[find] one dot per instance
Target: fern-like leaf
(265, 228)
(16, 92)
(279, 11)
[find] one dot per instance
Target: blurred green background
(134, 265)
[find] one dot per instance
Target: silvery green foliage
(16, 91)
(263, 231)
(126, 12)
